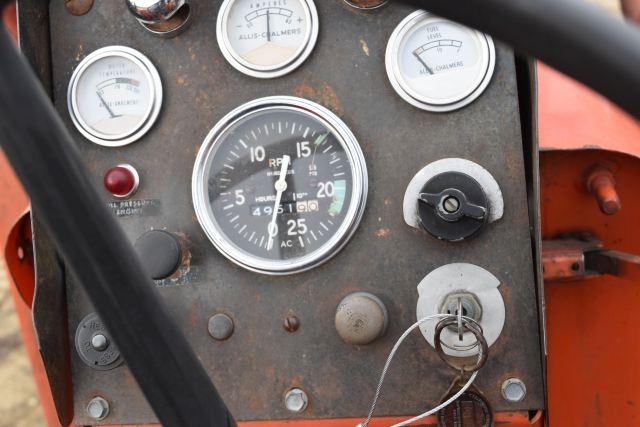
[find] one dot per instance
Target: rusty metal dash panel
(262, 361)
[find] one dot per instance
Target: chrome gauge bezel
(153, 110)
(340, 238)
(279, 70)
(487, 58)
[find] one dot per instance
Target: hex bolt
(296, 400)
(99, 342)
(291, 323)
(514, 390)
(451, 204)
(602, 185)
(98, 408)
(220, 327)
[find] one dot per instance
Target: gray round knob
(361, 318)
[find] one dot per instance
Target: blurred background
(19, 405)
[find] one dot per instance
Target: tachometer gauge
(279, 185)
(114, 96)
(438, 65)
(267, 39)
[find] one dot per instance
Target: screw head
(99, 342)
(451, 204)
(98, 408)
(514, 390)
(291, 323)
(296, 400)
(221, 327)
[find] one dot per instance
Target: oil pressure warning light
(438, 65)
(114, 96)
(267, 39)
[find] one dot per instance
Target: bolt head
(220, 327)
(514, 390)
(296, 400)
(291, 323)
(98, 408)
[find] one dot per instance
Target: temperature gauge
(114, 96)
(438, 65)
(267, 39)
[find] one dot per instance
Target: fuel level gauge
(438, 65)
(114, 96)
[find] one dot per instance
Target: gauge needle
(268, 26)
(113, 116)
(423, 63)
(281, 186)
(318, 142)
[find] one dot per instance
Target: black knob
(159, 252)
(453, 206)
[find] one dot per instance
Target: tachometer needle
(281, 186)
(429, 70)
(113, 116)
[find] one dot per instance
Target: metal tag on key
(471, 409)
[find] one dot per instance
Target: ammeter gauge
(114, 96)
(438, 65)
(267, 39)
(279, 185)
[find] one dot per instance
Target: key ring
(473, 327)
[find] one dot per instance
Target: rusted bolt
(291, 323)
(78, 7)
(602, 184)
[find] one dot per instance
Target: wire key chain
(445, 319)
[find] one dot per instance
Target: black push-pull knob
(160, 253)
(453, 206)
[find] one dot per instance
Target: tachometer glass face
(281, 188)
(438, 65)
(267, 38)
(114, 96)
